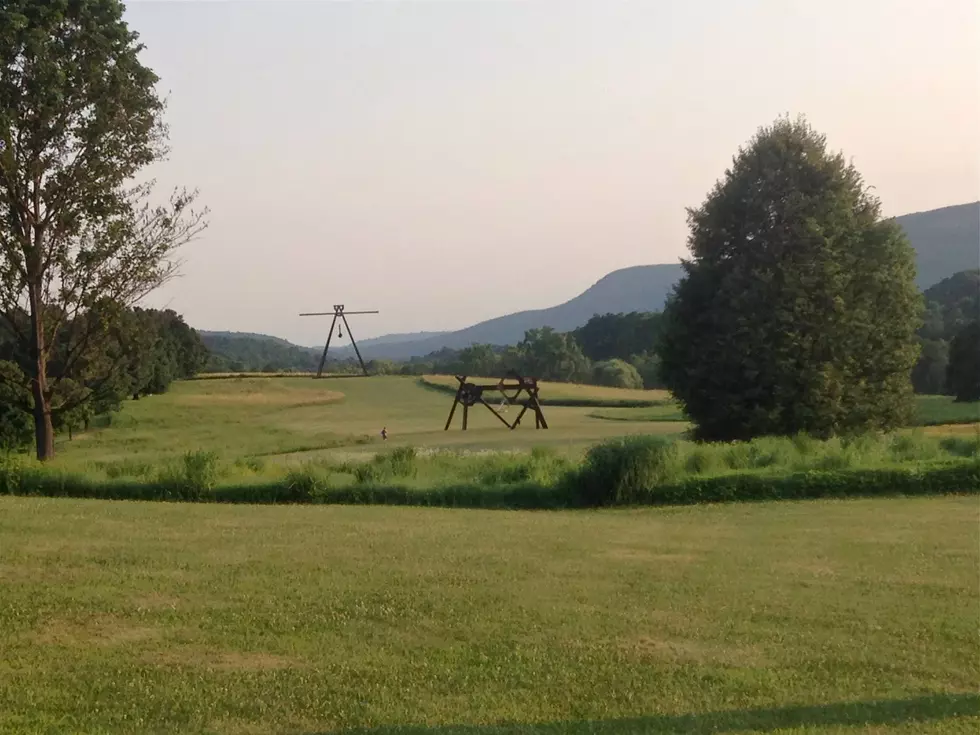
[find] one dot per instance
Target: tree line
(614, 350)
(139, 352)
(950, 319)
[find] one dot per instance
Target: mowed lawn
(852, 616)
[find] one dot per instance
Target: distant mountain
(640, 288)
(392, 339)
(946, 241)
(247, 335)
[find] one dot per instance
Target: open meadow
(294, 419)
(285, 421)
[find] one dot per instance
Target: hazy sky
(454, 160)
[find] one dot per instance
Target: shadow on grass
(843, 714)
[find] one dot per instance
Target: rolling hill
(945, 240)
(640, 288)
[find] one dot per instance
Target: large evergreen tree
(798, 307)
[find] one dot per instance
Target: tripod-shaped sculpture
(339, 313)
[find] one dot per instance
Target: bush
(961, 477)
(302, 486)
(193, 478)
(399, 462)
(702, 461)
(621, 471)
(961, 446)
(911, 448)
(616, 374)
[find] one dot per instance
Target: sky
(449, 161)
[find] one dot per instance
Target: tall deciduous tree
(550, 355)
(610, 336)
(798, 307)
(79, 118)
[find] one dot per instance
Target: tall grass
(625, 471)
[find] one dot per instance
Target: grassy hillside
(243, 352)
(137, 617)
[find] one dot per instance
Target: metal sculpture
(339, 313)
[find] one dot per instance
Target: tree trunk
(43, 428)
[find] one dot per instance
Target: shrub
(758, 454)
(192, 478)
(616, 374)
(913, 448)
(961, 446)
(622, 471)
(302, 486)
(962, 477)
(702, 460)
(399, 462)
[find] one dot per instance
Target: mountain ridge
(946, 240)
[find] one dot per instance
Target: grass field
(260, 434)
(937, 410)
(818, 617)
(293, 420)
(564, 392)
(791, 617)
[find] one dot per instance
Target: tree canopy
(143, 352)
(612, 336)
(950, 305)
(616, 373)
(798, 308)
